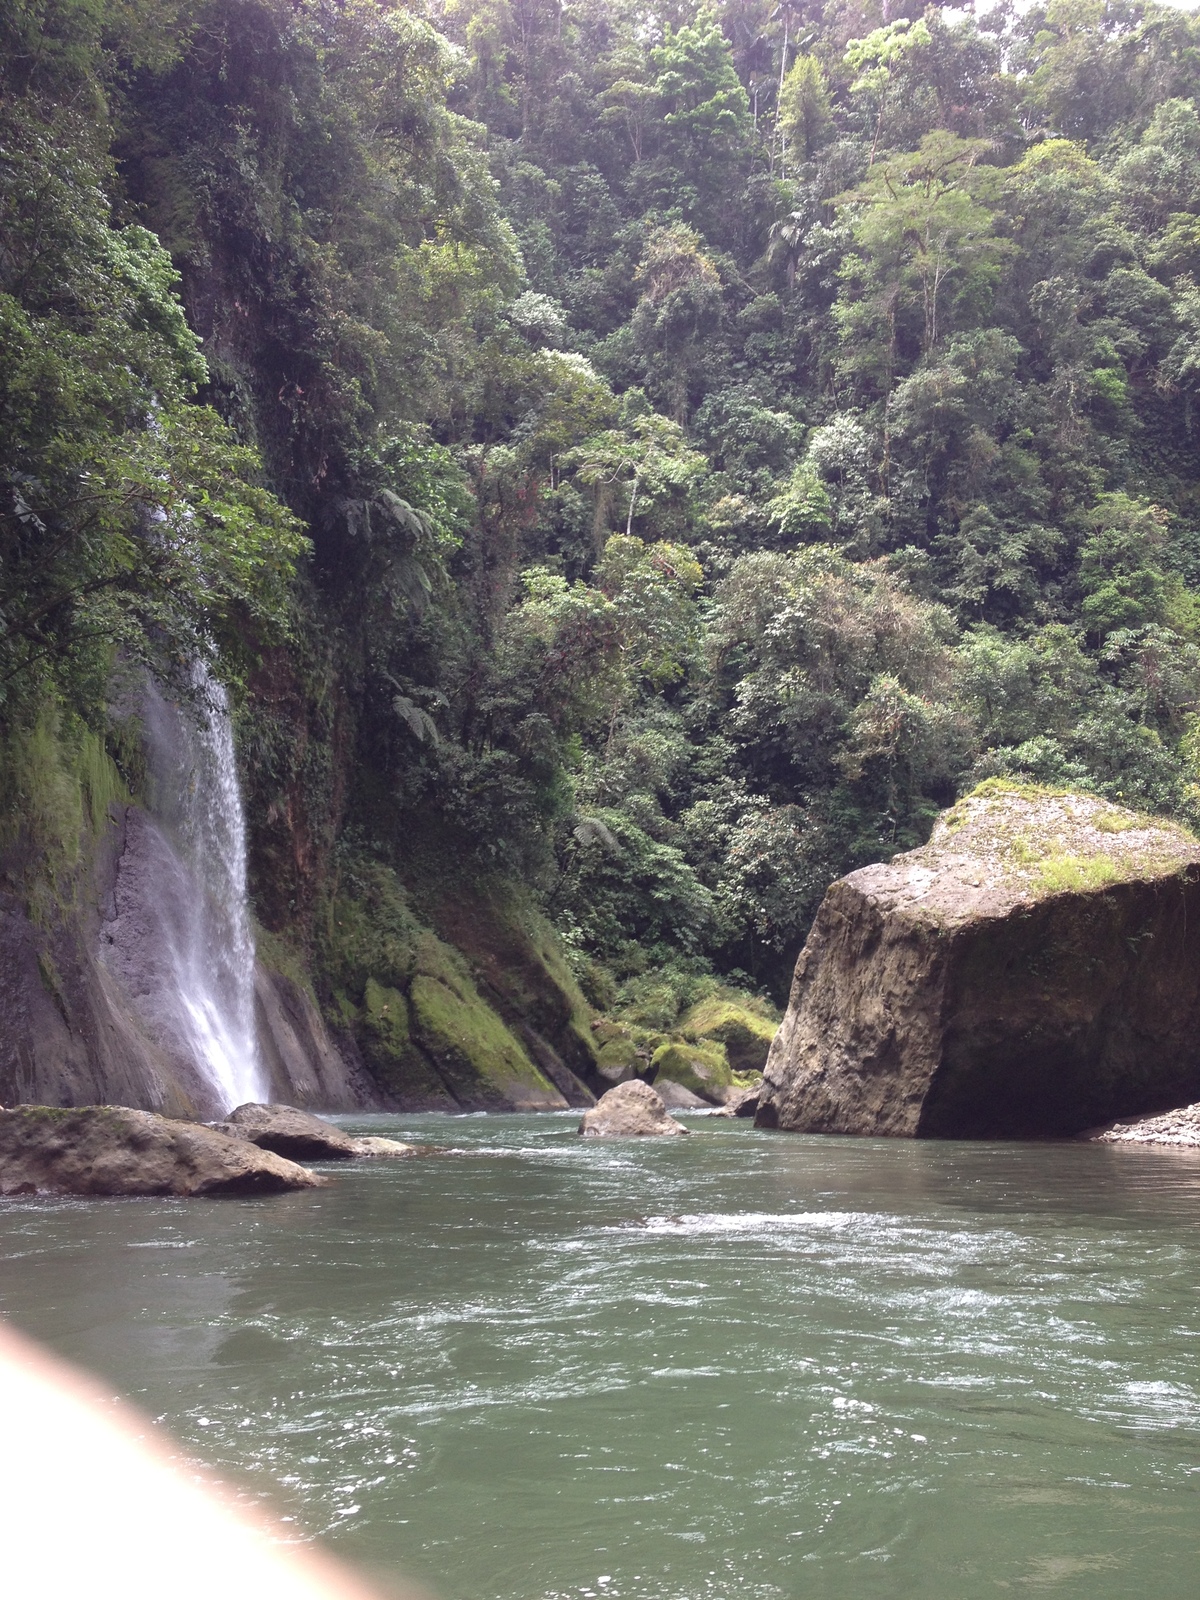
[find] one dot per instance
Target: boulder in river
(114, 1150)
(629, 1111)
(1033, 971)
(289, 1132)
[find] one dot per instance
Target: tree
(927, 255)
(702, 146)
(875, 60)
(130, 517)
(803, 108)
(643, 469)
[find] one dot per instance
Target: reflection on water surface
(742, 1364)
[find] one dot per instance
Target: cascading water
(181, 942)
(214, 961)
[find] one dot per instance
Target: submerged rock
(382, 1149)
(1034, 970)
(289, 1132)
(630, 1111)
(113, 1150)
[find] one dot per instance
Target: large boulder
(630, 1111)
(1033, 971)
(113, 1150)
(289, 1132)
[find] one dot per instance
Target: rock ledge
(288, 1132)
(114, 1150)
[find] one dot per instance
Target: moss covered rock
(619, 1059)
(518, 969)
(392, 1055)
(744, 1027)
(368, 931)
(475, 1054)
(412, 1002)
(701, 1068)
(386, 1013)
(1034, 970)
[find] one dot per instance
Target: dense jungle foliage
(655, 453)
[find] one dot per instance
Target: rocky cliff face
(86, 1014)
(130, 972)
(79, 986)
(1033, 971)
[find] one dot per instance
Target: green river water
(740, 1365)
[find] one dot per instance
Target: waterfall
(181, 940)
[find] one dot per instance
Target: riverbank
(1180, 1128)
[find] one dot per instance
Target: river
(741, 1365)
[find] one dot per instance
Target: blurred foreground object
(92, 1504)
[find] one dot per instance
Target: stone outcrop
(1180, 1128)
(518, 970)
(289, 1132)
(477, 1058)
(1033, 971)
(80, 994)
(301, 1059)
(433, 1042)
(91, 917)
(113, 1150)
(629, 1111)
(743, 1103)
